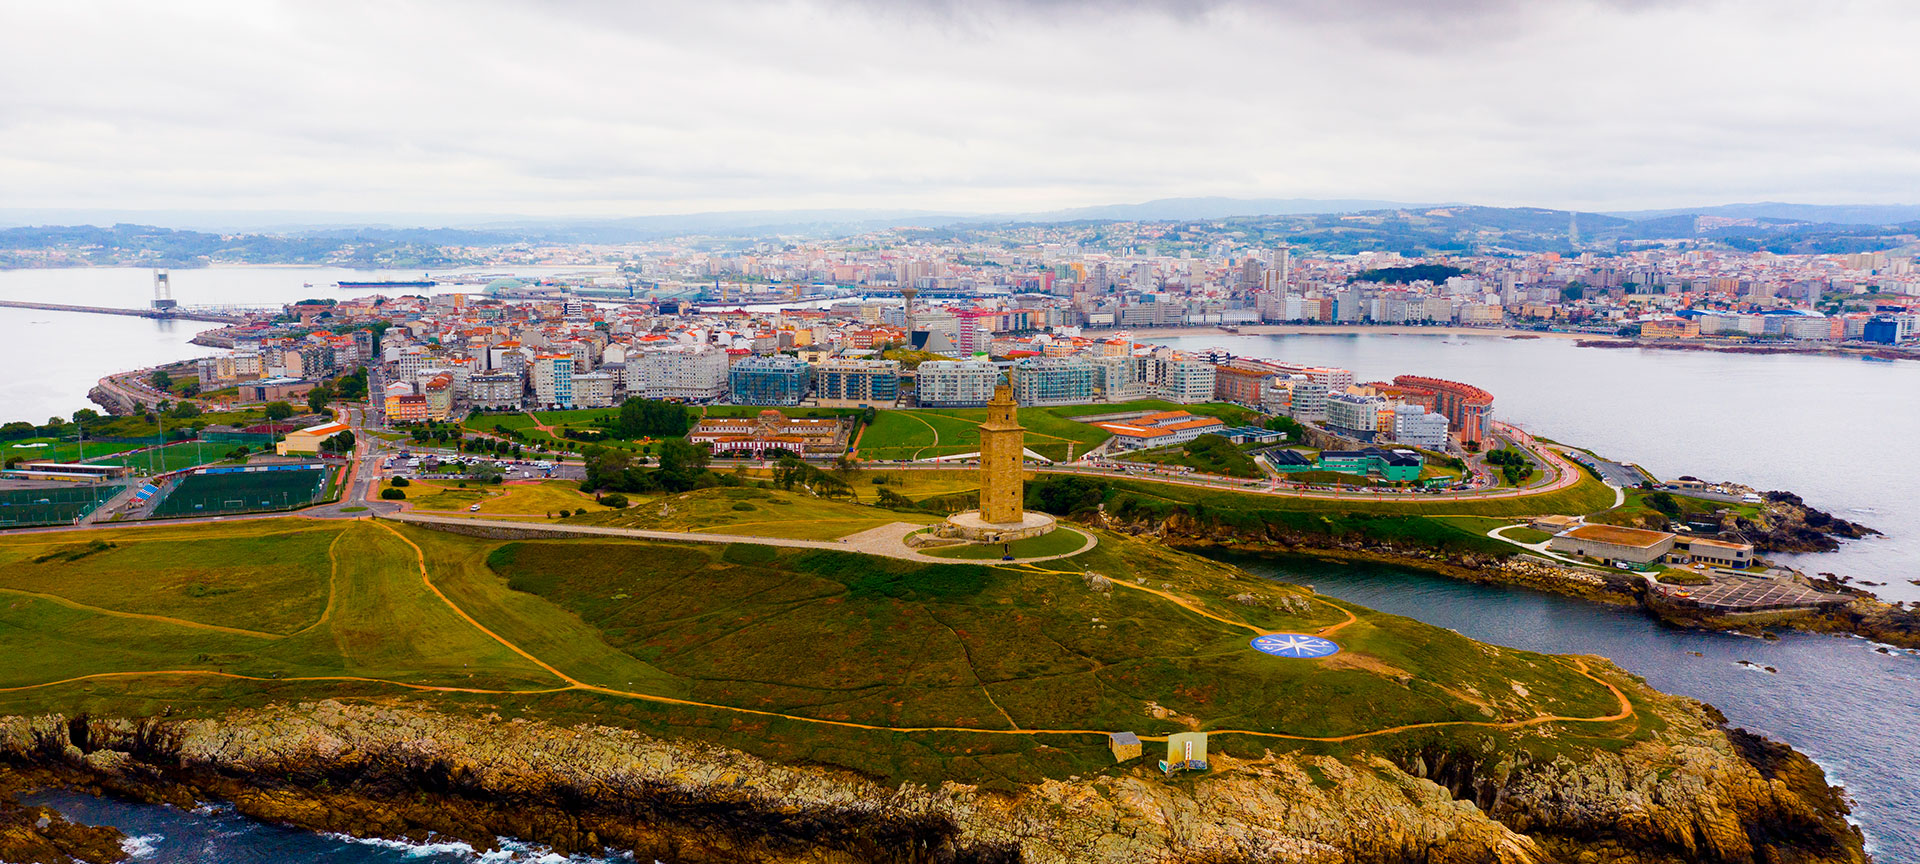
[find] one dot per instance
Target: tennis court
(52, 505)
(214, 491)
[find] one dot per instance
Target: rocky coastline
(1864, 615)
(1698, 792)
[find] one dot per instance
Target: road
(359, 499)
(1614, 473)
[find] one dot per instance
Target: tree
(162, 380)
(651, 418)
(278, 410)
(393, 494)
(185, 410)
(341, 442)
(318, 397)
(1664, 502)
(85, 415)
(681, 464)
(846, 469)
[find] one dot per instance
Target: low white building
(1419, 427)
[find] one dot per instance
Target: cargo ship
(407, 283)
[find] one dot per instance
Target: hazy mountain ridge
(1191, 224)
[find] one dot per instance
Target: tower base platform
(969, 526)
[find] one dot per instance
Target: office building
(776, 380)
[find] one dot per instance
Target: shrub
(393, 495)
(743, 507)
(612, 499)
(402, 482)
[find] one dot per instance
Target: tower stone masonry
(1002, 440)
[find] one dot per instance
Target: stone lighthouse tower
(1002, 516)
(1001, 442)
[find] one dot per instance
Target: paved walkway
(887, 540)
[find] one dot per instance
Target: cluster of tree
(1215, 454)
(1066, 494)
(792, 471)
(1515, 467)
(651, 418)
(433, 431)
(339, 443)
(1665, 503)
(681, 467)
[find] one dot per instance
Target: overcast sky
(634, 109)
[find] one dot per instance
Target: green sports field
(56, 505)
(242, 492)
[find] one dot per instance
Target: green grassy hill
(968, 671)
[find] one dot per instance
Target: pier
(172, 313)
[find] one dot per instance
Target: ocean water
(218, 835)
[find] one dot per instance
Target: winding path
(569, 683)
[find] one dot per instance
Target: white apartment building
(1186, 380)
(553, 380)
(955, 383)
(496, 390)
(1354, 414)
(1416, 426)
(593, 390)
(694, 373)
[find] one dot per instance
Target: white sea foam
(410, 848)
(509, 851)
(141, 845)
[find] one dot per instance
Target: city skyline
(604, 110)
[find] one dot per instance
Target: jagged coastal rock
(1698, 793)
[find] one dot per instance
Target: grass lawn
(1232, 415)
(172, 457)
(924, 433)
(1585, 496)
(918, 484)
(1329, 478)
(278, 598)
(525, 498)
(808, 633)
(1059, 541)
(751, 511)
(1475, 524)
(972, 645)
(59, 450)
(274, 582)
(1635, 509)
(1526, 535)
(1208, 454)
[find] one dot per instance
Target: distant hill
(1832, 214)
(1213, 208)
